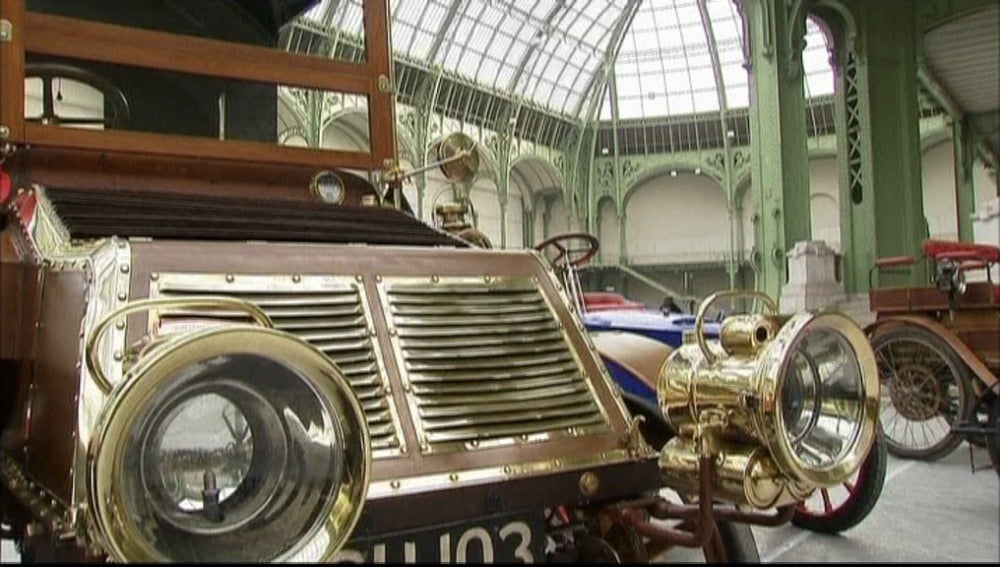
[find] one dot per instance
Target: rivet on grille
(120, 325)
(434, 279)
(122, 296)
(453, 477)
(230, 278)
(124, 268)
(589, 483)
(359, 278)
(154, 276)
(118, 355)
(395, 484)
(296, 278)
(378, 278)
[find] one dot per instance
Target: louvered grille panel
(327, 313)
(486, 362)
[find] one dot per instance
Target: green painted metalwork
(964, 142)
(932, 13)
(778, 131)
(881, 196)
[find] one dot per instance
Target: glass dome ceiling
(664, 66)
(551, 52)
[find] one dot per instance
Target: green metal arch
(665, 167)
(535, 156)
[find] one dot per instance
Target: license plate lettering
(510, 541)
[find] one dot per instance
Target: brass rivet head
(589, 483)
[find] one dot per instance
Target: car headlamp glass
(210, 452)
(819, 369)
(822, 396)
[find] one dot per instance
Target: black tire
(865, 492)
(737, 538)
(655, 430)
(740, 543)
(926, 386)
(993, 441)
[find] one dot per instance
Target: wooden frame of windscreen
(31, 32)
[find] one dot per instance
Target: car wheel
(836, 509)
(925, 392)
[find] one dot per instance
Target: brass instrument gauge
(327, 187)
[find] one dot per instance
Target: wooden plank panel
(185, 146)
(378, 53)
(68, 37)
(12, 71)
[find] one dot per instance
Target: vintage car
(938, 351)
(831, 510)
(220, 349)
(621, 327)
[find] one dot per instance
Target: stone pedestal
(812, 280)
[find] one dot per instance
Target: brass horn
(786, 404)
(458, 157)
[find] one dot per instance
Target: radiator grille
(486, 363)
(326, 312)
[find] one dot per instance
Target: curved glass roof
(551, 52)
(665, 65)
(547, 51)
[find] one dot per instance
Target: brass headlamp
(228, 443)
(786, 404)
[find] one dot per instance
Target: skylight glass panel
(489, 67)
(504, 76)
(433, 14)
(402, 37)
(629, 107)
(680, 104)
(406, 11)
(655, 105)
(706, 100)
(606, 105)
(678, 82)
(562, 98)
(468, 64)
(667, 48)
(422, 43)
(816, 62)
(353, 21)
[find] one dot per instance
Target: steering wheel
(113, 96)
(573, 248)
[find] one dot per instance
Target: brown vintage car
(938, 352)
(216, 348)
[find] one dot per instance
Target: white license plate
(498, 539)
